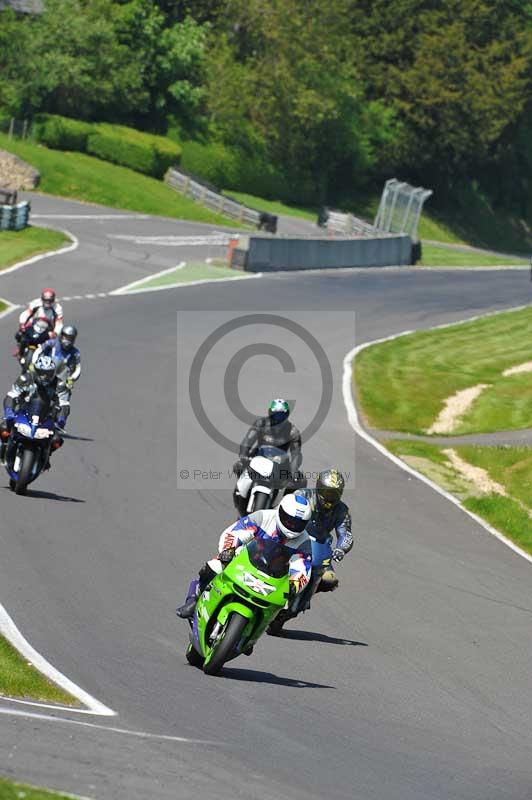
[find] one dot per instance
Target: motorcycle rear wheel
(224, 651)
(24, 475)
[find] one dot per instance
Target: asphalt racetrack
(411, 682)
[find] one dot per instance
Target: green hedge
(61, 133)
(142, 152)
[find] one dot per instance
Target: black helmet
(329, 488)
(68, 336)
(44, 370)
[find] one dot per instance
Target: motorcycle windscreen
(269, 556)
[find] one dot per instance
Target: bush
(61, 133)
(232, 168)
(142, 152)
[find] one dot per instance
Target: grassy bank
(86, 178)
(18, 245)
(434, 256)
(402, 384)
(504, 499)
(18, 678)
(15, 791)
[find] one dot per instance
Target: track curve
(412, 681)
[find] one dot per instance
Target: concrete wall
(263, 254)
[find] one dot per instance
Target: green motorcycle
(237, 606)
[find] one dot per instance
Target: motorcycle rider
(286, 524)
(34, 334)
(44, 306)
(66, 356)
(42, 381)
(329, 514)
(277, 431)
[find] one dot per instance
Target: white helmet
(293, 515)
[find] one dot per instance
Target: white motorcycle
(265, 478)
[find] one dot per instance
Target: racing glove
(227, 555)
(337, 554)
(61, 422)
(9, 414)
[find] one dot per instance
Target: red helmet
(48, 297)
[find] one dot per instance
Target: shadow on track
(31, 493)
(77, 438)
(312, 636)
(256, 676)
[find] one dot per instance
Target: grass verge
(402, 384)
(509, 467)
(15, 791)
(200, 271)
(19, 245)
(86, 178)
(3, 306)
(19, 678)
(434, 256)
(273, 206)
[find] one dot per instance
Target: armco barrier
(268, 254)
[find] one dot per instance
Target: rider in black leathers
(275, 430)
(330, 516)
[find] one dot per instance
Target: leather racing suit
(261, 525)
(68, 361)
(283, 435)
(35, 309)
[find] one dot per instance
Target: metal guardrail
(338, 222)
(211, 198)
(400, 208)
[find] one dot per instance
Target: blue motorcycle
(30, 444)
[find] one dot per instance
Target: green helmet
(329, 488)
(278, 411)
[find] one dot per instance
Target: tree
(458, 75)
(288, 69)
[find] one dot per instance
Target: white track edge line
(73, 246)
(353, 418)
(121, 293)
(129, 286)
(10, 631)
(128, 732)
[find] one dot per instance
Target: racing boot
(329, 582)
(275, 628)
(186, 611)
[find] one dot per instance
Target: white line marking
(217, 239)
(33, 259)
(188, 283)
(90, 216)
(129, 286)
(90, 296)
(102, 294)
(125, 731)
(10, 631)
(354, 421)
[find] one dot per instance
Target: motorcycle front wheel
(261, 500)
(24, 475)
(225, 649)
